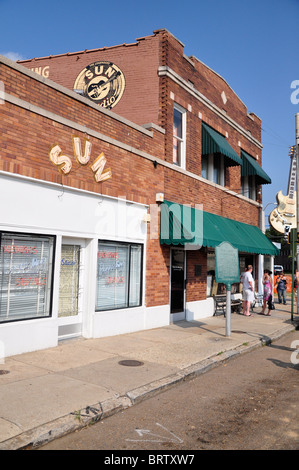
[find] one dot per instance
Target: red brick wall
(139, 63)
(210, 84)
(197, 285)
(26, 138)
(147, 98)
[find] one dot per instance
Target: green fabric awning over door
(246, 238)
(182, 225)
(212, 142)
(250, 167)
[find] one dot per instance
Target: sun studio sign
(64, 162)
(101, 82)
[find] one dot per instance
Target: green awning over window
(213, 142)
(181, 225)
(250, 167)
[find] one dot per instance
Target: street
(249, 403)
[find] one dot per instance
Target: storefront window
(118, 276)
(26, 265)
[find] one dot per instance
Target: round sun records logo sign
(102, 82)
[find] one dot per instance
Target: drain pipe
(261, 257)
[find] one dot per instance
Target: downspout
(261, 257)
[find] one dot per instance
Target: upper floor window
(204, 166)
(216, 155)
(179, 136)
(248, 187)
(213, 168)
(252, 175)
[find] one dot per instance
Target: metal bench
(220, 304)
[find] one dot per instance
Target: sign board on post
(227, 272)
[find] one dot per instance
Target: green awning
(246, 238)
(181, 225)
(212, 142)
(252, 168)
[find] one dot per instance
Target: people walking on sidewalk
(281, 285)
(268, 291)
(248, 290)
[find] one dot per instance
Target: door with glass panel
(177, 285)
(69, 311)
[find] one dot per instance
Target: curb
(92, 414)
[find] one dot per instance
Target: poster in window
(25, 276)
(118, 276)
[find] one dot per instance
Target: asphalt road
(249, 403)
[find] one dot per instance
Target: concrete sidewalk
(49, 393)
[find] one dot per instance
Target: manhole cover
(130, 363)
(2, 372)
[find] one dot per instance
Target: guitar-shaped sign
(283, 217)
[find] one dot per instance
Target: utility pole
(297, 195)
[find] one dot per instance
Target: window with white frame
(26, 267)
(179, 136)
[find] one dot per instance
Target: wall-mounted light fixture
(159, 197)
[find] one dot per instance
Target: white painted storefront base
(116, 322)
(199, 309)
(27, 336)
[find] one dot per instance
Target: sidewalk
(52, 392)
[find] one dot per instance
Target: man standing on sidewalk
(248, 290)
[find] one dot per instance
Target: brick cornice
(165, 71)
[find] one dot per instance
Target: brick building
(122, 169)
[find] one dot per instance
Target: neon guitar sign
(283, 217)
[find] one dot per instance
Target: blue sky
(252, 44)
